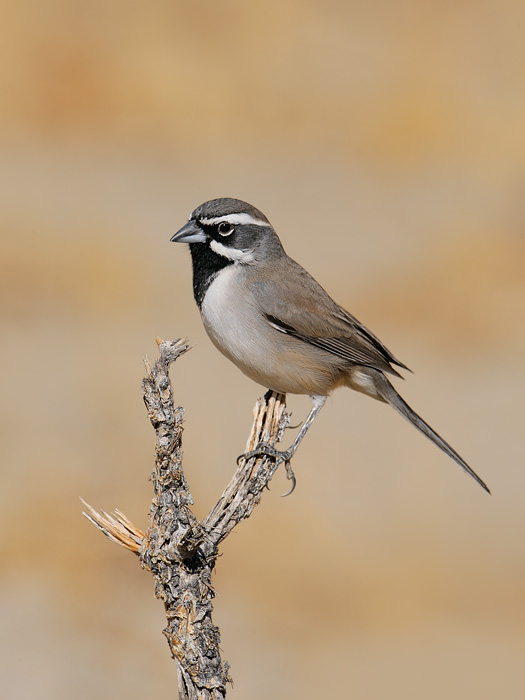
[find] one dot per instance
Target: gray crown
(225, 206)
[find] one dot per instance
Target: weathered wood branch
(179, 550)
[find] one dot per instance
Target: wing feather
(295, 304)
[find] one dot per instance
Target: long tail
(390, 395)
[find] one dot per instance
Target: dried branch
(179, 550)
(116, 527)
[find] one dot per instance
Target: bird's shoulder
(288, 292)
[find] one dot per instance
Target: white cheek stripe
(241, 256)
(234, 219)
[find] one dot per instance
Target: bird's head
(232, 229)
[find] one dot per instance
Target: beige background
(386, 143)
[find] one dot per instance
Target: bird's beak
(190, 233)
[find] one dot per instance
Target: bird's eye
(225, 228)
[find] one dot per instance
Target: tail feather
(390, 395)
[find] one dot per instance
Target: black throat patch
(206, 264)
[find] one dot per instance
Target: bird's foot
(267, 450)
(264, 449)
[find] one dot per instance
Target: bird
(272, 319)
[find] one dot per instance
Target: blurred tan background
(386, 143)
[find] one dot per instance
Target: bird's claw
(266, 450)
(291, 476)
(278, 455)
(262, 449)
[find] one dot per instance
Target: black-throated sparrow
(267, 315)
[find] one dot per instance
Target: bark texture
(179, 550)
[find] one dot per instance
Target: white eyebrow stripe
(240, 256)
(234, 219)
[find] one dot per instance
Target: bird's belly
(267, 356)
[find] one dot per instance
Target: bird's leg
(263, 448)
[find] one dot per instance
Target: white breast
(239, 330)
(230, 319)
